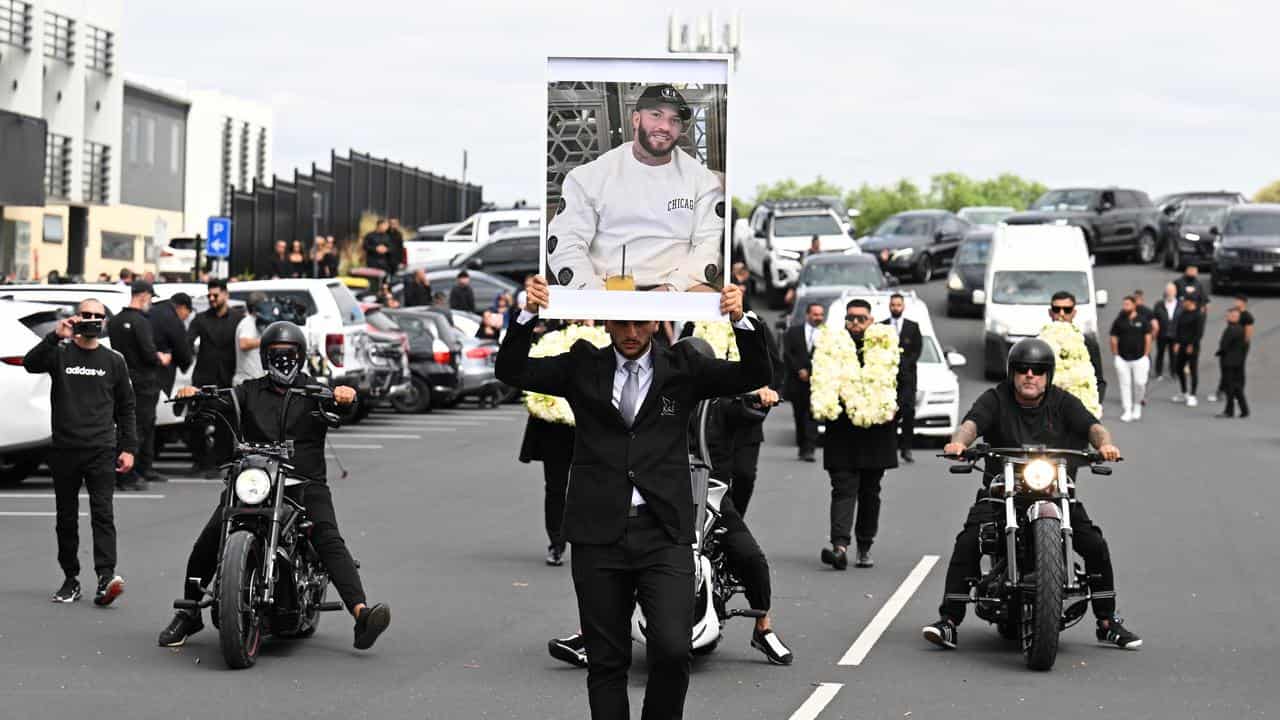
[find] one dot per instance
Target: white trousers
(1133, 380)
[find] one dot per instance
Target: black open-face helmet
(282, 363)
(1033, 352)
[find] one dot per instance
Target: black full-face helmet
(1033, 352)
(282, 363)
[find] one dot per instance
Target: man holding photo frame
(644, 215)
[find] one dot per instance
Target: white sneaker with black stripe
(1116, 634)
(768, 642)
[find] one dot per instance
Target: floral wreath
(553, 408)
(720, 336)
(866, 392)
(1073, 370)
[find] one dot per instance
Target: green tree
(1269, 194)
(876, 203)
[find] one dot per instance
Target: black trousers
(1188, 364)
(806, 426)
(555, 476)
(1233, 388)
(95, 469)
(745, 558)
(906, 416)
(965, 560)
(855, 491)
(328, 542)
(1164, 346)
(145, 419)
(647, 567)
(742, 474)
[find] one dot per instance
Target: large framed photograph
(637, 194)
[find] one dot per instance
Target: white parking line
(35, 514)
(858, 651)
(51, 496)
(375, 435)
(818, 700)
(336, 446)
(196, 481)
(432, 421)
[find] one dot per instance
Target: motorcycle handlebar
(980, 452)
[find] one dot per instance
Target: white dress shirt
(809, 332)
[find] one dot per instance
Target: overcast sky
(1164, 96)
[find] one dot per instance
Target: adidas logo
(85, 371)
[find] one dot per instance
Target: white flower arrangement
(1073, 370)
(718, 334)
(868, 391)
(551, 407)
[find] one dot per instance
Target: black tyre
(1217, 287)
(239, 624)
(923, 271)
(1146, 250)
(1042, 607)
(416, 400)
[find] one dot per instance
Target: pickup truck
(467, 236)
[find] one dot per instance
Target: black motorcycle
(270, 579)
(1034, 588)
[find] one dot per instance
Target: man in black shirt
(280, 266)
(395, 247)
(1166, 313)
(1241, 305)
(262, 403)
(215, 329)
(912, 344)
(169, 322)
(133, 337)
(377, 249)
(1026, 409)
(1130, 344)
(1188, 285)
(463, 296)
(417, 290)
(94, 437)
(1187, 333)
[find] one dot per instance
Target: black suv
(1114, 220)
(916, 243)
(1170, 205)
(1192, 232)
(1248, 248)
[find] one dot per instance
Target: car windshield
(905, 225)
(974, 252)
(929, 351)
(805, 225)
(1254, 224)
(1202, 215)
(1066, 200)
(410, 323)
(1036, 287)
(465, 324)
(984, 217)
(381, 321)
(864, 274)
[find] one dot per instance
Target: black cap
(182, 299)
(141, 286)
(656, 95)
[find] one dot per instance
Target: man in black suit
(629, 512)
(797, 352)
(911, 343)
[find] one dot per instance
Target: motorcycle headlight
(253, 485)
(954, 282)
(1192, 237)
(1038, 475)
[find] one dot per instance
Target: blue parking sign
(218, 244)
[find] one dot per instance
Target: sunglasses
(857, 318)
(1036, 370)
(1062, 309)
(92, 316)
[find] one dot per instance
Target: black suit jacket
(912, 344)
(1167, 323)
(1232, 348)
(795, 355)
(653, 455)
(171, 337)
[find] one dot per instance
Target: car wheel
(952, 310)
(1218, 287)
(1175, 258)
(416, 400)
(923, 271)
(1146, 251)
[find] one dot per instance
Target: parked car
(486, 286)
(1028, 264)
(968, 273)
(472, 358)
(512, 253)
(1168, 206)
(176, 259)
(1113, 220)
(776, 237)
(1192, 232)
(471, 233)
(387, 358)
(433, 364)
(25, 431)
(985, 215)
(1248, 250)
(826, 276)
(937, 387)
(916, 243)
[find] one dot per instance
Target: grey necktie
(630, 400)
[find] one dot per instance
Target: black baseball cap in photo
(141, 286)
(656, 95)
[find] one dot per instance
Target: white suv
(25, 424)
(775, 239)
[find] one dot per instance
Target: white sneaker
(1213, 397)
(1179, 397)
(1191, 401)
(1126, 416)
(1137, 414)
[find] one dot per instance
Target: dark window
(348, 308)
(262, 154)
(117, 246)
(15, 23)
(52, 231)
(497, 225)
(1125, 200)
(951, 226)
(502, 251)
(59, 37)
(148, 249)
(57, 166)
(1142, 199)
(381, 321)
(100, 49)
(244, 156)
(97, 172)
(526, 250)
(295, 297)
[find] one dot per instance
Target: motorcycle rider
(283, 354)
(1027, 409)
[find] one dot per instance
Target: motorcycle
(270, 580)
(714, 584)
(1034, 588)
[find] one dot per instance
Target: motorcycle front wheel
(1042, 606)
(239, 623)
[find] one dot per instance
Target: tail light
(440, 354)
(165, 253)
(333, 347)
(12, 360)
(481, 352)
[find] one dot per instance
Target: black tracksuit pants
(1233, 388)
(1188, 366)
(806, 426)
(145, 418)
(94, 469)
(1164, 346)
(745, 558)
(965, 560)
(555, 476)
(328, 542)
(855, 491)
(644, 566)
(906, 415)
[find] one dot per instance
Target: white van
(471, 233)
(1029, 263)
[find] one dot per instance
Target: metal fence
(331, 202)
